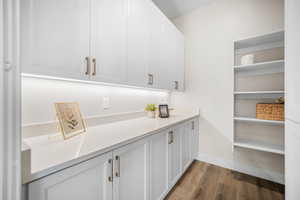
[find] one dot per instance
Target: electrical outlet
(106, 103)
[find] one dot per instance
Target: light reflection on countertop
(50, 153)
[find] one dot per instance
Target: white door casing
(10, 101)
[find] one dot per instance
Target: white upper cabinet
(177, 67)
(55, 37)
(108, 40)
(115, 41)
(156, 66)
(131, 170)
(89, 180)
(138, 42)
(166, 49)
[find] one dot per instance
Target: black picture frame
(164, 111)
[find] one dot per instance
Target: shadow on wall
(213, 142)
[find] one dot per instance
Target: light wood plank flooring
(204, 181)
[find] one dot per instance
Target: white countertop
(51, 153)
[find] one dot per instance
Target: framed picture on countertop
(70, 119)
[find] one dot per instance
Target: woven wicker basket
(270, 111)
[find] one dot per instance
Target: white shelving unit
(261, 82)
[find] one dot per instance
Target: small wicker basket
(270, 111)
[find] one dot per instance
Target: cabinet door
(89, 180)
(157, 67)
(108, 40)
(131, 170)
(174, 57)
(186, 145)
(195, 138)
(158, 166)
(174, 156)
(166, 57)
(55, 37)
(178, 72)
(138, 42)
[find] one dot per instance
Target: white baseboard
(253, 171)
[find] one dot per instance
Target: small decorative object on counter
(151, 108)
(271, 111)
(247, 59)
(70, 119)
(280, 100)
(164, 111)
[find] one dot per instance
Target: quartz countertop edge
(42, 165)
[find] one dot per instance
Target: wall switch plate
(106, 103)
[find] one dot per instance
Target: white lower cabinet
(186, 145)
(159, 166)
(195, 138)
(174, 155)
(131, 172)
(143, 170)
(89, 180)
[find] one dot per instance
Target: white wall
(39, 96)
(210, 31)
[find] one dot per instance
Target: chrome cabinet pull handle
(118, 166)
(110, 178)
(150, 79)
(88, 65)
(176, 85)
(193, 125)
(95, 66)
(170, 138)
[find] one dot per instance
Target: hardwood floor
(204, 181)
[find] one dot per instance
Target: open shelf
(261, 42)
(259, 146)
(261, 68)
(254, 120)
(260, 94)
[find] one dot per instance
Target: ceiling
(175, 8)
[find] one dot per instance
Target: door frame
(10, 102)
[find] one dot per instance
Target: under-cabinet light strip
(92, 82)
